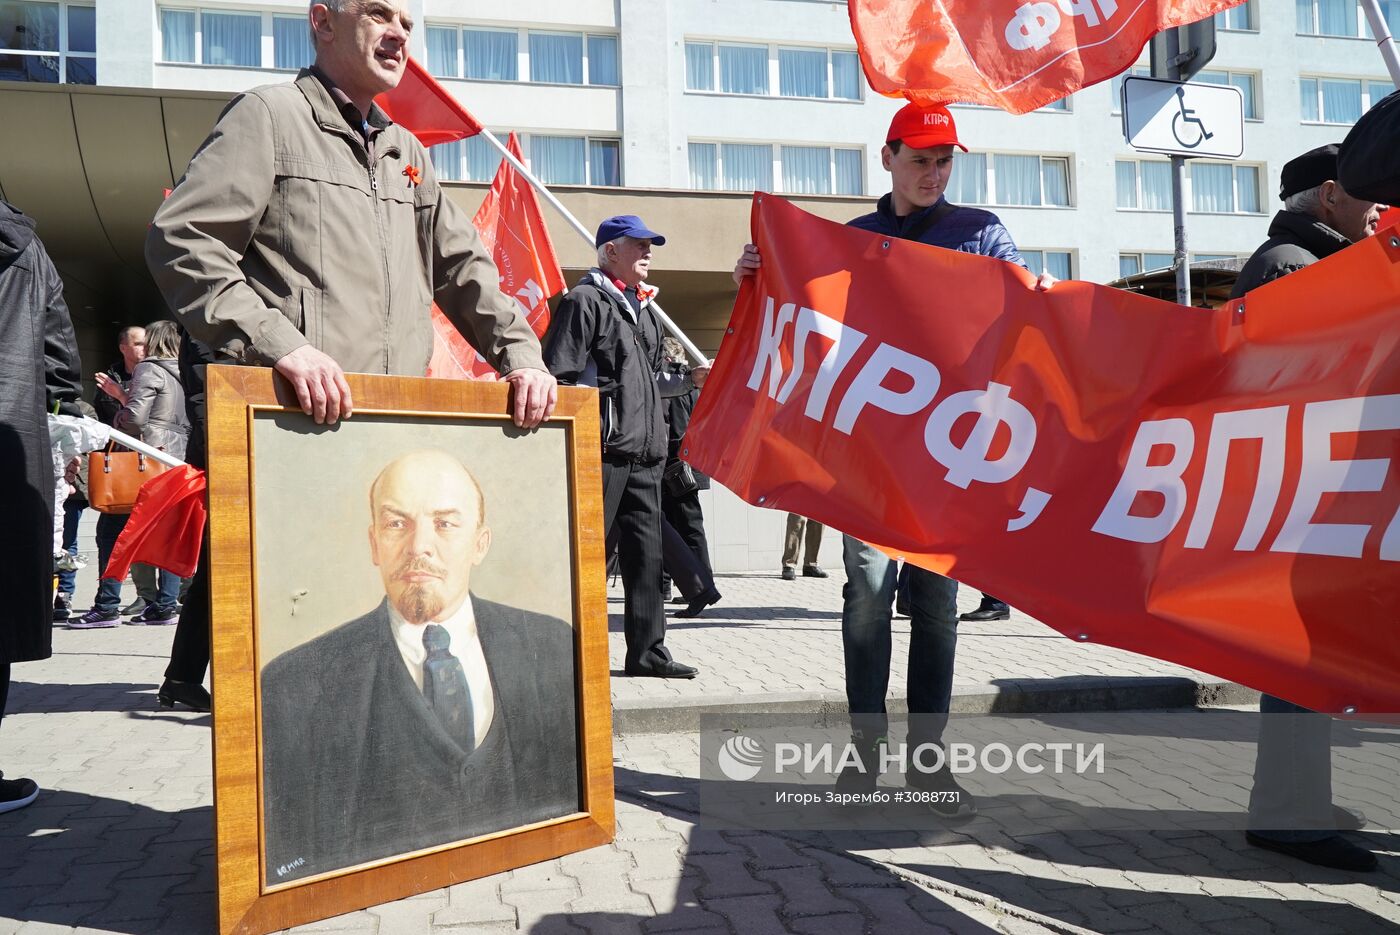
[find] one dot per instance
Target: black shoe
(813, 570)
(680, 599)
(16, 793)
(694, 608)
(62, 606)
(670, 669)
(192, 696)
(134, 608)
(789, 573)
(1335, 852)
(861, 776)
(989, 610)
(947, 798)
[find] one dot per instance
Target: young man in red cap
(918, 154)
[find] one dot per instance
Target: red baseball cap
(924, 127)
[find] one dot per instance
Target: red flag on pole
(427, 109)
(512, 227)
(165, 527)
(1014, 54)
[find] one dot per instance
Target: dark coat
(38, 368)
(356, 766)
(594, 341)
(1295, 241)
(107, 407)
(677, 413)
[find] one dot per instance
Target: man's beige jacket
(285, 231)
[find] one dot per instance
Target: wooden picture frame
(251, 413)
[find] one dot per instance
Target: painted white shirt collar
(465, 645)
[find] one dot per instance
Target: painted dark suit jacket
(357, 768)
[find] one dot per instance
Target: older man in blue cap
(606, 334)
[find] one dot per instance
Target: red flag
(1390, 217)
(165, 527)
(1219, 488)
(427, 109)
(1014, 54)
(512, 227)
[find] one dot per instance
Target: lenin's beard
(421, 601)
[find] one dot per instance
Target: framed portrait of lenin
(409, 660)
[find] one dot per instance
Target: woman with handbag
(153, 408)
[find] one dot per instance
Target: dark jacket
(357, 767)
(1295, 241)
(195, 357)
(107, 407)
(677, 414)
(967, 230)
(39, 368)
(596, 339)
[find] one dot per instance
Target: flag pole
(583, 232)
(1384, 41)
(136, 444)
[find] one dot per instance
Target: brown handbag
(115, 477)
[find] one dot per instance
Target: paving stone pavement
(121, 840)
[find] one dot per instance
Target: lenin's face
(427, 534)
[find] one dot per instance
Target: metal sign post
(1179, 261)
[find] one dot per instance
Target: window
(1240, 18)
(291, 42)
(34, 47)
(490, 54)
(1130, 264)
(602, 60)
(442, 52)
(1055, 262)
(556, 58)
(1223, 188)
(1339, 100)
(557, 160)
(802, 170)
(177, 32)
(1146, 186)
(1240, 79)
(733, 68)
(1329, 18)
(1212, 257)
(1007, 179)
(231, 38)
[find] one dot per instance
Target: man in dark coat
(39, 370)
(1290, 807)
(436, 717)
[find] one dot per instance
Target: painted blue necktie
(445, 688)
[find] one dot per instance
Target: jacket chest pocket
(321, 215)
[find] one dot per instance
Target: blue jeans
(109, 593)
(1292, 796)
(72, 515)
(871, 578)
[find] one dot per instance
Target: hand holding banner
(1217, 488)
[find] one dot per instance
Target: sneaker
(16, 793)
(951, 801)
(153, 617)
(62, 606)
(94, 619)
(135, 607)
(862, 776)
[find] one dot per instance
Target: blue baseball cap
(626, 225)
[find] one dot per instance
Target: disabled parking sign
(1182, 118)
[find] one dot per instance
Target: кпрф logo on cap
(938, 120)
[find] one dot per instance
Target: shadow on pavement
(76, 859)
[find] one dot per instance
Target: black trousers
(632, 518)
(686, 517)
(692, 578)
(189, 651)
(4, 686)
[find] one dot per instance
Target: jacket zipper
(373, 165)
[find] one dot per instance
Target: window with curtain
(605, 162)
(442, 51)
(845, 75)
(746, 167)
(1129, 264)
(449, 160)
(1247, 189)
(177, 35)
(1239, 18)
(1158, 260)
(232, 38)
(704, 166)
(1126, 183)
(699, 66)
(559, 160)
(1054, 262)
(1378, 91)
(1328, 17)
(743, 69)
(1156, 185)
(1017, 179)
(291, 42)
(1054, 180)
(1212, 188)
(850, 172)
(1341, 100)
(556, 58)
(968, 183)
(1308, 101)
(1242, 80)
(471, 160)
(802, 72)
(602, 61)
(490, 54)
(806, 169)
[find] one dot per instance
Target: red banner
(1014, 54)
(512, 227)
(1216, 488)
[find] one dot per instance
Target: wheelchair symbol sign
(1183, 118)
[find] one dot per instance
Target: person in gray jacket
(153, 408)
